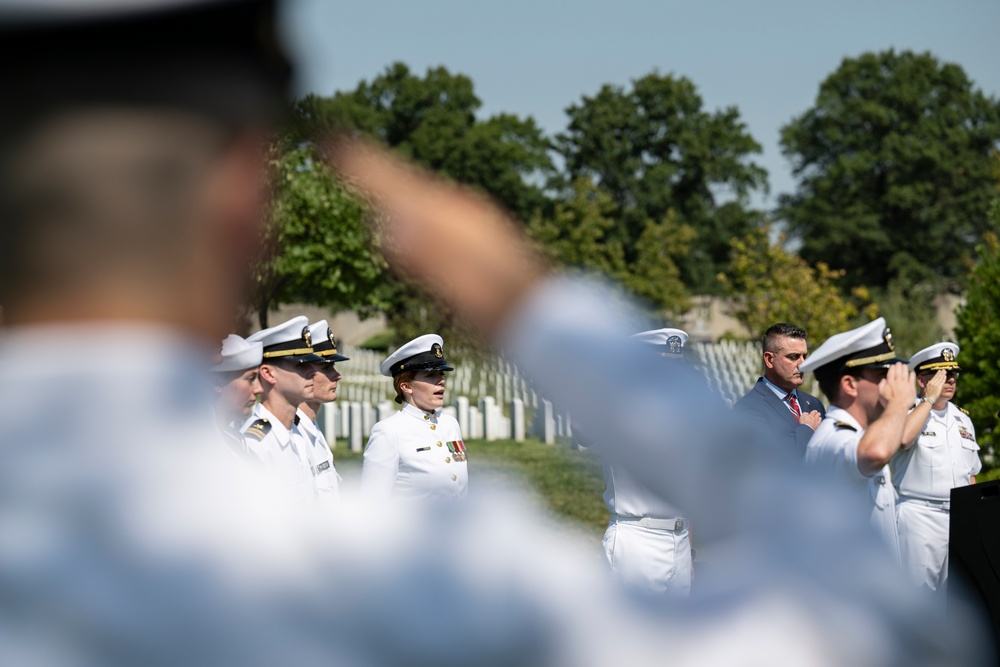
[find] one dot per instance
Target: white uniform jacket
(284, 452)
(415, 453)
(834, 449)
(945, 455)
(321, 464)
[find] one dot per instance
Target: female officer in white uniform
(418, 452)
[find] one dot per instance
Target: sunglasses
(952, 375)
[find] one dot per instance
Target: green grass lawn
(569, 482)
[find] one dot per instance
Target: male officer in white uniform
(236, 381)
(273, 430)
(944, 456)
(870, 393)
(647, 544)
(419, 451)
(325, 379)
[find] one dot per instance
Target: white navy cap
(670, 341)
(238, 354)
(868, 346)
(289, 341)
(323, 342)
(423, 353)
(940, 356)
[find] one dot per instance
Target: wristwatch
(927, 399)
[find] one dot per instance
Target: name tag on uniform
(422, 449)
(322, 466)
(930, 433)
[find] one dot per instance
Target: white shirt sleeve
(381, 461)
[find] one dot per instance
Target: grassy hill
(569, 482)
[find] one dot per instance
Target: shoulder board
(963, 410)
(845, 425)
(258, 429)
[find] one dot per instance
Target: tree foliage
(893, 163)
(579, 233)
(318, 244)
(978, 334)
(432, 119)
(653, 149)
(769, 284)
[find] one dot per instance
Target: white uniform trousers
(923, 541)
(650, 555)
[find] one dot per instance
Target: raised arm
(884, 437)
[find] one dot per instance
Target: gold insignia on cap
(887, 335)
(675, 344)
(306, 337)
(436, 349)
(948, 354)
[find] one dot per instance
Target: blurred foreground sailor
(647, 544)
(799, 580)
(870, 392)
(274, 430)
(235, 379)
(325, 381)
(785, 412)
(943, 456)
(418, 452)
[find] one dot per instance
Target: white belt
(936, 504)
(677, 524)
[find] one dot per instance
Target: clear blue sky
(536, 57)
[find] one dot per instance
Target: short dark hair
(779, 330)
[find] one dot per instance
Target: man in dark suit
(776, 401)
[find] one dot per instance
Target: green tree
(432, 119)
(769, 284)
(653, 149)
(319, 249)
(579, 234)
(893, 163)
(978, 334)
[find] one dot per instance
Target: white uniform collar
(283, 435)
(417, 413)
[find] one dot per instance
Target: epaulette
(258, 430)
(964, 410)
(845, 425)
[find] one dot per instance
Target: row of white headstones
(491, 400)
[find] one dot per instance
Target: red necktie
(795, 406)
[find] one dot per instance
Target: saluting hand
(898, 387)
(936, 386)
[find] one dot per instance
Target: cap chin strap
(870, 360)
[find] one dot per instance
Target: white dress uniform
(944, 456)
(647, 544)
(284, 452)
(321, 463)
(416, 454)
(834, 449)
